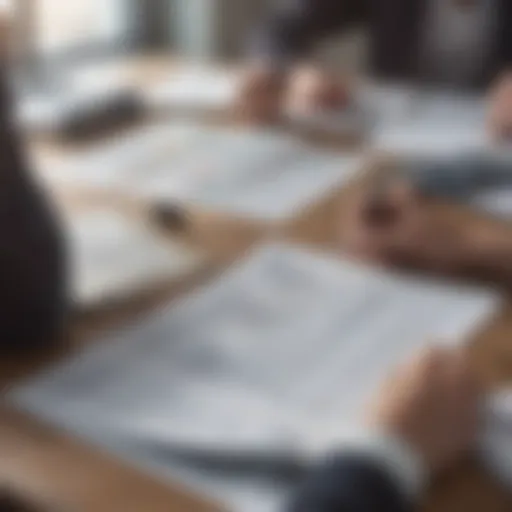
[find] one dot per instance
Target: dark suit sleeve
(504, 36)
(33, 292)
(296, 25)
(349, 484)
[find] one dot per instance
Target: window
(64, 25)
(48, 29)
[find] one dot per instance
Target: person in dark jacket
(33, 274)
(453, 42)
(422, 423)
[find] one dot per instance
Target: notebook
(234, 388)
(113, 257)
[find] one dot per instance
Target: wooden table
(64, 474)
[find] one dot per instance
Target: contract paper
(256, 174)
(266, 364)
(121, 163)
(114, 257)
(432, 124)
(495, 443)
(263, 175)
(196, 87)
(497, 202)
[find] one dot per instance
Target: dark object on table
(170, 217)
(100, 116)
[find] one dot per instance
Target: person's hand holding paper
(425, 418)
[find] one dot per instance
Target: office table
(64, 474)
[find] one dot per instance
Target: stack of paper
(255, 375)
(113, 258)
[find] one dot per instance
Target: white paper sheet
(194, 87)
(497, 202)
(272, 190)
(113, 257)
(495, 444)
(258, 174)
(122, 163)
(432, 124)
(272, 358)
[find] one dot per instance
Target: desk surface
(63, 474)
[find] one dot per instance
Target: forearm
(489, 254)
(296, 25)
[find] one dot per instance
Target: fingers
(500, 110)
(384, 221)
(260, 95)
(315, 90)
(466, 392)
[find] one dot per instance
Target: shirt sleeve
(385, 452)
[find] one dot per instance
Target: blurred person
(452, 42)
(423, 422)
(33, 293)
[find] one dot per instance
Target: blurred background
(53, 38)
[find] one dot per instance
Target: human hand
(397, 227)
(500, 109)
(260, 95)
(431, 404)
(312, 90)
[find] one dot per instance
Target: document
(121, 163)
(258, 174)
(432, 123)
(248, 381)
(262, 175)
(497, 202)
(113, 257)
(196, 87)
